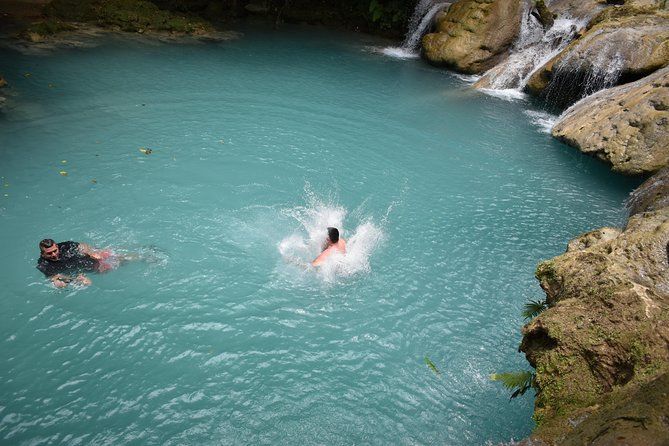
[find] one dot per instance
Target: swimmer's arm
(60, 280)
(318, 261)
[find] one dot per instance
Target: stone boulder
(606, 325)
(618, 48)
(474, 35)
(652, 195)
(635, 415)
(625, 126)
(581, 10)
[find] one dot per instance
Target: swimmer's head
(49, 249)
(333, 235)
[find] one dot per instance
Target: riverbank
(599, 350)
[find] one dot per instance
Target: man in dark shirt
(66, 262)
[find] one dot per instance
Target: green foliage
(432, 367)
(387, 14)
(519, 382)
(49, 27)
(128, 15)
(533, 308)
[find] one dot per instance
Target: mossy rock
(126, 15)
(606, 327)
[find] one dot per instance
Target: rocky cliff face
(602, 348)
(626, 126)
(474, 35)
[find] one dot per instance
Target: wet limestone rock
(625, 126)
(474, 35)
(636, 415)
(621, 45)
(652, 195)
(576, 9)
(606, 329)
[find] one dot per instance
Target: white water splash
(545, 121)
(302, 246)
(422, 18)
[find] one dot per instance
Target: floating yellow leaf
(145, 151)
(63, 173)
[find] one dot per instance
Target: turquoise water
(448, 198)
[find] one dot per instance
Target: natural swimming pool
(451, 196)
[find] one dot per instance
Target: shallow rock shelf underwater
(450, 197)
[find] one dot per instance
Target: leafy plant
(519, 382)
(432, 367)
(533, 308)
(387, 14)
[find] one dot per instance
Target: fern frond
(533, 308)
(519, 382)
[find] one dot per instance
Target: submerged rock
(618, 48)
(474, 35)
(625, 126)
(605, 332)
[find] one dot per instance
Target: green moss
(546, 271)
(49, 27)
(127, 15)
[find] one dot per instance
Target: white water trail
(303, 245)
(420, 20)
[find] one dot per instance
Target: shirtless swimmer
(333, 244)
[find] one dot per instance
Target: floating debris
(145, 151)
(27, 75)
(221, 141)
(431, 365)
(52, 85)
(63, 173)
(63, 161)
(94, 181)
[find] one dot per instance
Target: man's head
(333, 235)
(49, 249)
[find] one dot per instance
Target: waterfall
(576, 77)
(420, 20)
(532, 50)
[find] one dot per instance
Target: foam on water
(545, 121)
(400, 52)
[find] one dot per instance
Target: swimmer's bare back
(340, 247)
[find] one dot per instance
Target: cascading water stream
(532, 50)
(420, 20)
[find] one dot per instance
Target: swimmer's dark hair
(333, 235)
(46, 243)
